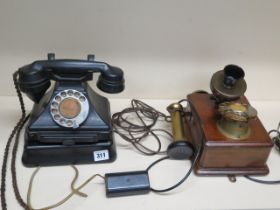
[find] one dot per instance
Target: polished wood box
(221, 155)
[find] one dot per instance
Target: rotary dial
(69, 108)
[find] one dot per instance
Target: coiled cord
(147, 117)
(135, 123)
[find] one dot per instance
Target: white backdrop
(166, 48)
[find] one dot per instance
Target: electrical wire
(135, 133)
(16, 131)
(66, 198)
(189, 171)
(124, 124)
(269, 182)
(262, 181)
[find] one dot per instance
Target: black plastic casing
(34, 79)
(127, 183)
(48, 144)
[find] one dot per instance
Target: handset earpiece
(32, 82)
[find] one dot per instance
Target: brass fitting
(180, 148)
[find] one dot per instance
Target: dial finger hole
(58, 98)
(55, 104)
(63, 94)
(70, 92)
(77, 94)
(62, 120)
(69, 123)
(54, 111)
(82, 98)
(56, 117)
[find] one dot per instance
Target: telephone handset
(34, 79)
(70, 123)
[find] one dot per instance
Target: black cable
(277, 137)
(137, 129)
(262, 181)
(183, 179)
(135, 133)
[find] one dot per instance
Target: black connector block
(127, 183)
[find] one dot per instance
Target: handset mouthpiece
(111, 81)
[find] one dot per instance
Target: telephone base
(53, 155)
(221, 155)
(49, 144)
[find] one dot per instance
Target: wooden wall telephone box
(234, 141)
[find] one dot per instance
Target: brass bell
(234, 119)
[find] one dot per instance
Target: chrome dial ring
(69, 108)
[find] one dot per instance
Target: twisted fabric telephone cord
(15, 131)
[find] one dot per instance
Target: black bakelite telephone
(69, 124)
